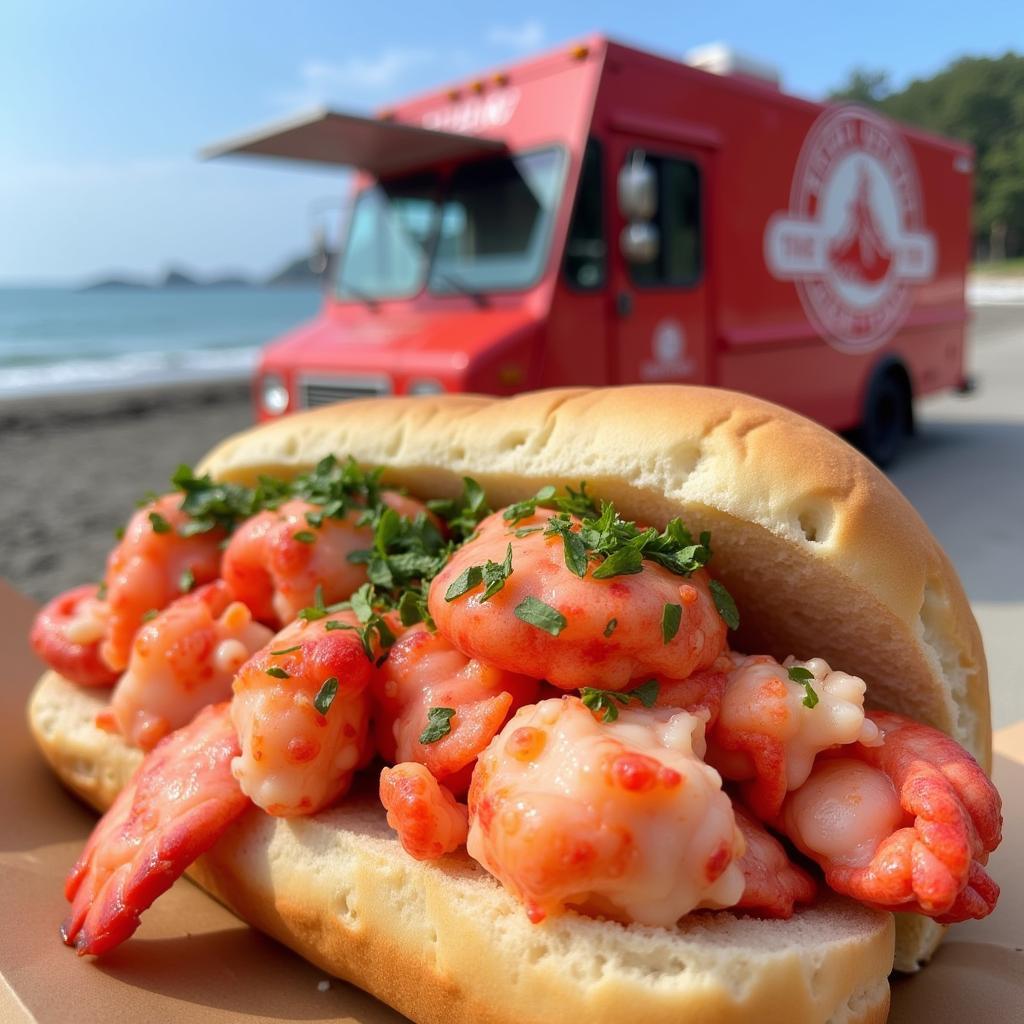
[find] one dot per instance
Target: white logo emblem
(853, 238)
(476, 114)
(668, 345)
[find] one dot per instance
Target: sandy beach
(72, 469)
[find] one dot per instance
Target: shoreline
(56, 410)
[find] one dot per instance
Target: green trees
(980, 100)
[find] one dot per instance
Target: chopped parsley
(339, 487)
(463, 514)
(470, 577)
(277, 673)
(405, 552)
(576, 558)
(492, 574)
(212, 506)
(573, 503)
(187, 580)
(671, 617)
(725, 604)
(287, 650)
(325, 695)
(541, 615)
(305, 537)
(364, 603)
(439, 724)
(160, 525)
(610, 628)
(617, 546)
(606, 700)
(317, 610)
(803, 676)
(150, 615)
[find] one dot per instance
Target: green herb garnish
(605, 700)
(492, 574)
(287, 650)
(160, 525)
(186, 581)
(470, 577)
(325, 695)
(305, 537)
(610, 628)
(148, 616)
(576, 558)
(725, 604)
(803, 676)
(541, 615)
(277, 673)
(671, 616)
(318, 610)
(439, 724)
(462, 514)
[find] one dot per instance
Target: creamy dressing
(296, 760)
(89, 622)
(760, 698)
(623, 817)
(182, 660)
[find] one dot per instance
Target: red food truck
(601, 215)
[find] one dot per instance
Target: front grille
(316, 391)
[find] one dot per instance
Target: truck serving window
(496, 223)
(389, 238)
(678, 261)
(586, 252)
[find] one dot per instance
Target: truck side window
(678, 220)
(586, 252)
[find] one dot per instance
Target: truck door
(661, 330)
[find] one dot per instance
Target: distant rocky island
(295, 273)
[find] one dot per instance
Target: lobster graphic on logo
(853, 239)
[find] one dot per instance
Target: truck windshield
(390, 235)
(495, 223)
(485, 228)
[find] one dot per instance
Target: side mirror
(638, 188)
(640, 242)
(319, 254)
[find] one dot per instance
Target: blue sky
(105, 104)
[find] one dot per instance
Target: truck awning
(332, 137)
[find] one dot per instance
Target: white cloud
(526, 36)
(362, 78)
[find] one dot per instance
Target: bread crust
(443, 943)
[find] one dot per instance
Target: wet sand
(72, 469)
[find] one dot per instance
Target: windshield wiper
(460, 286)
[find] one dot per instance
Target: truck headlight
(425, 386)
(274, 394)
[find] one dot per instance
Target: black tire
(886, 421)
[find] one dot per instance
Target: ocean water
(55, 340)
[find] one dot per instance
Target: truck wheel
(887, 417)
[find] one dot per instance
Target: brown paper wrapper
(193, 962)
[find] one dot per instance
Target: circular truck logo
(853, 239)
